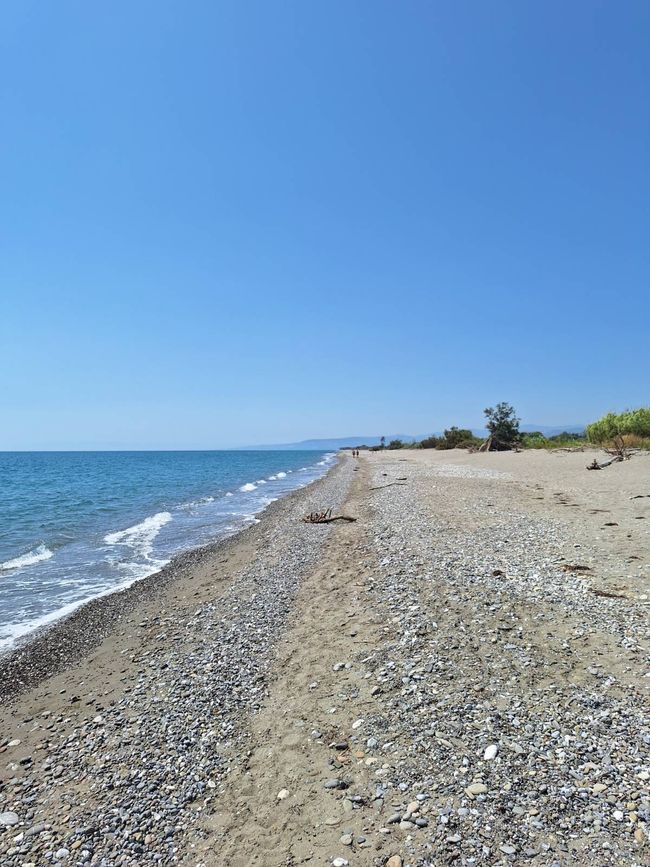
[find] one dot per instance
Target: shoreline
(54, 647)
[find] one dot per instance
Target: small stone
(476, 789)
(406, 825)
(597, 788)
(335, 784)
(8, 819)
(357, 724)
(507, 849)
(282, 794)
(332, 820)
(490, 752)
(394, 861)
(346, 839)
(61, 854)
(619, 815)
(413, 807)
(340, 862)
(394, 819)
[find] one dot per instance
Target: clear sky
(237, 222)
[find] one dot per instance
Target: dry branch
(379, 487)
(596, 466)
(325, 517)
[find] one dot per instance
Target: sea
(78, 525)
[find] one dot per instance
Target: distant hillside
(333, 444)
(336, 443)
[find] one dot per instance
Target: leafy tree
(503, 425)
(395, 444)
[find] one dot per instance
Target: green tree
(503, 425)
(395, 444)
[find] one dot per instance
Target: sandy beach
(461, 676)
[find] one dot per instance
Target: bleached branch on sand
(326, 517)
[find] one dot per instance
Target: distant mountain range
(336, 443)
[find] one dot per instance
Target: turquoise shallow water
(75, 525)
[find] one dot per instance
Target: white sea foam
(229, 493)
(281, 475)
(32, 557)
(272, 478)
(261, 482)
(249, 486)
(140, 536)
(13, 631)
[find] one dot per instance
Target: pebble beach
(460, 676)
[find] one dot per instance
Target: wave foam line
(140, 536)
(32, 557)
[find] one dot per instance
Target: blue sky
(236, 222)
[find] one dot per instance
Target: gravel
(495, 708)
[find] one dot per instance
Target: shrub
(634, 423)
(395, 444)
(455, 436)
(431, 442)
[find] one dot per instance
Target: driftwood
(325, 517)
(494, 444)
(379, 487)
(594, 465)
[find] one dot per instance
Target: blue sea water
(76, 525)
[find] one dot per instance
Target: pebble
(282, 794)
(490, 752)
(334, 783)
(7, 819)
(476, 789)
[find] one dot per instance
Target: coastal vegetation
(630, 429)
(503, 426)
(453, 438)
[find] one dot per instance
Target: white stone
(7, 819)
(490, 752)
